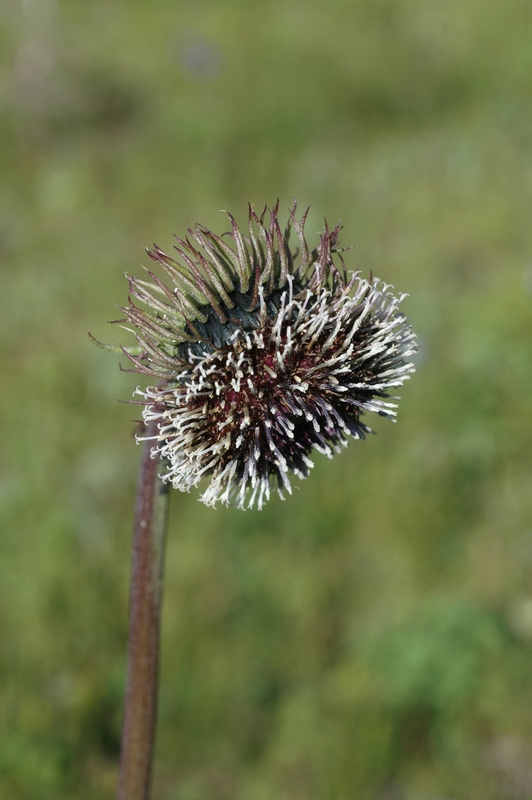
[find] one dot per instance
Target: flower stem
(140, 709)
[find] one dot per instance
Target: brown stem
(140, 709)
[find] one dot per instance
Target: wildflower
(261, 354)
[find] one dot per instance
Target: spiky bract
(262, 355)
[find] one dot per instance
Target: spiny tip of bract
(217, 283)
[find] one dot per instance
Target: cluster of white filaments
(247, 415)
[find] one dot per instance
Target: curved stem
(140, 709)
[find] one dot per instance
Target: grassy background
(372, 637)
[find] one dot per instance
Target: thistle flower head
(261, 353)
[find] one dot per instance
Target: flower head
(260, 354)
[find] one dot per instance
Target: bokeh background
(371, 638)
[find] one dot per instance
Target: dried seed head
(261, 354)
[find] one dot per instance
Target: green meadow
(370, 638)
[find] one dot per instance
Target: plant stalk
(140, 707)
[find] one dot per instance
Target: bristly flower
(261, 354)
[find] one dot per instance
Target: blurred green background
(371, 638)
